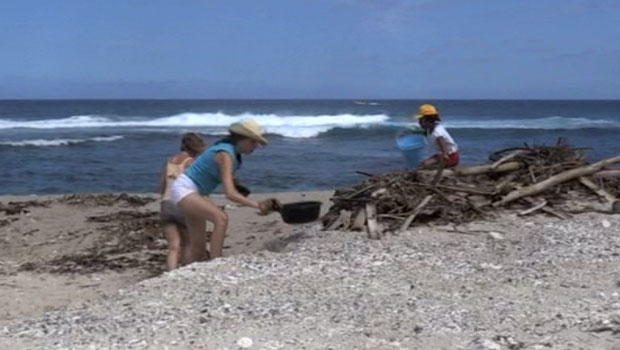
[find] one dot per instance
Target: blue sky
(310, 49)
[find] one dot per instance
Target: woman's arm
(224, 161)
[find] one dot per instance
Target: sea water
(67, 146)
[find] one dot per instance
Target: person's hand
(269, 205)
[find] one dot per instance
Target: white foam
(548, 123)
(80, 121)
(59, 142)
(288, 126)
(297, 126)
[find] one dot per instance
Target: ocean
(70, 146)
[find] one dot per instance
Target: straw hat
(249, 128)
(427, 109)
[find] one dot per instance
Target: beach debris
(599, 191)
(606, 223)
(534, 208)
(529, 179)
(106, 199)
(496, 236)
(4, 222)
(12, 208)
(126, 239)
(122, 215)
(373, 225)
(562, 177)
(245, 342)
(612, 324)
(417, 210)
(483, 344)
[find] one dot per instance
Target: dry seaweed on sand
(106, 199)
(530, 179)
(129, 239)
(13, 208)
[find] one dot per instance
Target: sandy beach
(87, 272)
(61, 250)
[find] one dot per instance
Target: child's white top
(440, 131)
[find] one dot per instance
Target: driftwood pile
(552, 179)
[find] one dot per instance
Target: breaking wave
(304, 126)
(288, 126)
(58, 142)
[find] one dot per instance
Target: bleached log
(599, 191)
(475, 169)
(345, 219)
(603, 174)
(557, 179)
(373, 225)
(506, 158)
(359, 221)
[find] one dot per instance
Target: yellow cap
(427, 109)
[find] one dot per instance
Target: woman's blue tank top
(205, 172)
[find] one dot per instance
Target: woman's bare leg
(196, 211)
(184, 244)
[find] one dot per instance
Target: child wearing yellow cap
(438, 137)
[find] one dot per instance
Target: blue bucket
(412, 147)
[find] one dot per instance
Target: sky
(454, 49)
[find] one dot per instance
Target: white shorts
(181, 187)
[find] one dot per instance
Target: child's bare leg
(173, 237)
(430, 162)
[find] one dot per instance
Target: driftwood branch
(599, 191)
(556, 213)
(359, 221)
(345, 218)
(534, 208)
(373, 226)
(603, 174)
(466, 190)
(417, 211)
(507, 158)
(476, 169)
(554, 180)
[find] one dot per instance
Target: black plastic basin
(300, 212)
